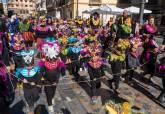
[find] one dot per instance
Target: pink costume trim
(162, 67)
(150, 29)
(61, 64)
(3, 71)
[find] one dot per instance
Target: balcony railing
(95, 2)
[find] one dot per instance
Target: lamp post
(142, 10)
(77, 9)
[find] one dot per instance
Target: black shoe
(94, 100)
(161, 98)
(129, 82)
(145, 73)
(77, 79)
(110, 84)
(116, 91)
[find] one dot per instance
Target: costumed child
(148, 31)
(51, 25)
(64, 53)
(84, 54)
(30, 76)
(79, 22)
(13, 25)
(125, 15)
(16, 39)
(110, 22)
(95, 21)
(132, 59)
(95, 63)
(41, 32)
(116, 59)
(150, 47)
(17, 45)
(51, 66)
(74, 57)
(113, 32)
(26, 29)
(124, 30)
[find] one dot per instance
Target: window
(27, 11)
(124, 1)
(26, 6)
(24, 12)
(21, 0)
(93, 2)
(30, 0)
(163, 20)
(20, 11)
(17, 5)
(25, 0)
(31, 5)
(153, 2)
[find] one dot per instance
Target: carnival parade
(37, 52)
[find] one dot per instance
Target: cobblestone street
(73, 98)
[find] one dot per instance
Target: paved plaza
(74, 98)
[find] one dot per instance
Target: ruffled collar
(18, 47)
(96, 22)
(24, 26)
(52, 64)
(162, 67)
(127, 28)
(95, 62)
(26, 72)
(43, 28)
(150, 28)
(75, 49)
(64, 51)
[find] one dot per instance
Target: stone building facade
(73, 8)
(22, 7)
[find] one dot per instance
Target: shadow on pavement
(18, 108)
(145, 80)
(65, 111)
(107, 95)
(41, 109)
(139, 87)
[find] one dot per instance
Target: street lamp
(142, 10)
(77, 9)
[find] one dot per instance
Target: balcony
(95, 2)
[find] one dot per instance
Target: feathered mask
(72, 39)
(28, 55)
(17, 41)
(123, 44)
(135, 42)
(51, 49)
